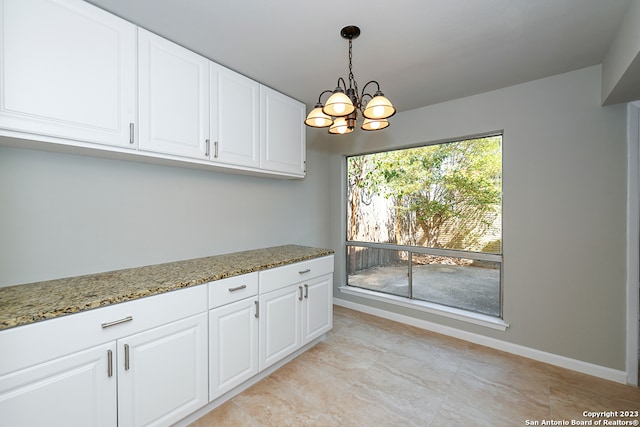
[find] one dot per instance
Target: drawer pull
(117, 322)
(306, 291)
(237, 288)
(257, 309)
(304, 271)
(300, 289)
(109, 363)
(131, 133)
(126, 357)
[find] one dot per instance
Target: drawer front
(276, 278)
(225, 291)
(49, 339)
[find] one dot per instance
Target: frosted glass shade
(317, 118)
(340, 126)
(370, 124)
(379, 108)
(338, 105)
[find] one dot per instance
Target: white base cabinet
(280, 325)
(260, 318)
(233, 332)
(162, 373)
(70, 391)
(317, 309)
(296, 304)
(154, 361)
(142, 362)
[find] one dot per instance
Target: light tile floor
(375, 372)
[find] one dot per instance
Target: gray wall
(564, 210)
(64, 215)
(564, 166)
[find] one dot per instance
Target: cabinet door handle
(126, 357)
(304, 271)
(257, 309)
(109, 363)
(215, 149)
(237, 288)
(117, 322)
(207, 144)
(306, 291)
(300, 289)
(131, 133)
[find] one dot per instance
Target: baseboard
(541, 356)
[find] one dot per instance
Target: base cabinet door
(233, 345)
(68, 71)
(317, 311)
(162, 373)
(280, 324)
(75, 390)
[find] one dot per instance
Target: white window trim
(423, 306)
(428, 307)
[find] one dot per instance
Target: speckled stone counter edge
(29, 303)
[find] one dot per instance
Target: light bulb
(378, 110)
(319, 121)
(339, 108)
(342, 129)
(375, 124)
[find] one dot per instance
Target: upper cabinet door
(282, 133)
(173, 98)
(67, 70)
(235, 118)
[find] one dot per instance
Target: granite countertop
(29, 303)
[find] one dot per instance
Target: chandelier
(340, 111)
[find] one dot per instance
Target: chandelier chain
(352, 79)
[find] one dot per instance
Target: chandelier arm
(344, 84)
(323, 92)
(364, 100)
(365, 87)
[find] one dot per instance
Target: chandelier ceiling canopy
(340, 111)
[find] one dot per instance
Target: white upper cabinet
(68, 70)
(235, 118)
(75, 76)
(173, 98)
(282, 133)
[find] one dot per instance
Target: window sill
(428, 307)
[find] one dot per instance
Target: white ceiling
(421, 51)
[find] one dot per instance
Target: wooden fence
(364, 258)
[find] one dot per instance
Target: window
(425, 224)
